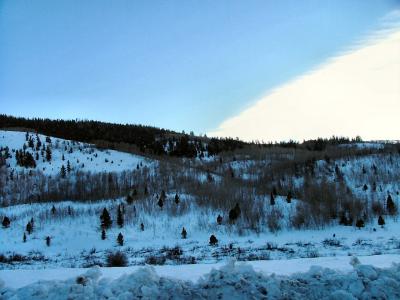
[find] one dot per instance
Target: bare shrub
(117, 259)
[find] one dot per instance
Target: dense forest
(151, 140)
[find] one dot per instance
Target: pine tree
(103, 234)
(141, 226)
(53, 210)
(234, 213)
(48, 153)
(381, 221)
(69, 210)
(390, 206)
(29, 227)
(63, 157)
(105, 219)
(289, 197)
(176, 198)
(120, 217)
(272, 199)
(160, 202)
(219, 220)
(6, 222)
(184, 233)
(120, 239)
(129, 199)
(48, 240)
(68, 167)
(365, 187)
(213, 240)
(63, 172)
(24, 238)
(360, 223)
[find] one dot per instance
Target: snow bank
(229, 282)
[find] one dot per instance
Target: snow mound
(229, 282)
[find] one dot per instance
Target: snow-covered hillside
(81, 156)
(81, 206)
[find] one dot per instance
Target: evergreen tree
(141, 226)
(6, 222)
(272, 199)
(160, 202)
(129, 199)
(289, 197)
(219, 220)
(365, 187)
(29, 227)
(213, 240)
(274, 191)
(184, 233)
(390, 206)
(103, 234)
(120, 217)
(48, 153)
(68, 167)
(48, 240)
(360, 223)
(105, 219)
(120, 239)
(53, 210)
(63, 172)
(63, 157)
(381, 221)
(69, 210)
(234, 213)
(24, 238)
(176, 198)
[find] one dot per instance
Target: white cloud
(357, 93)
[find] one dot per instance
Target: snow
(85, 157)
(333, 279)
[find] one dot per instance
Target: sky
(225, 68)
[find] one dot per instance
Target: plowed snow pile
(229, 282)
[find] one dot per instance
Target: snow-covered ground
(333, 278)
(76, 242)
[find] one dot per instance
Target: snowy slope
(84, 157)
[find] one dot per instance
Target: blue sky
(183, 65)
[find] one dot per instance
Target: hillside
(259, 203)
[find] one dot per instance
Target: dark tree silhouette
(6, 222)
(219, 220)
(48, 241)
(120, 217)
(103, 234)
(381, 221)
(141, 226)
(120, 239)
(360, 223)
(390, 206)
(105, 219)
(184, 233)
(213, 240)
(272, 199)
(176, 199)
(234, 213)
(289, 197)
(29, 227)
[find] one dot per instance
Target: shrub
(117, 259)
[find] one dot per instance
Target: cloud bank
(356, 93)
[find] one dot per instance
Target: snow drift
(229, 282)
